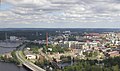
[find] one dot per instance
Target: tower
(46, 39)
(6, 36)
(36, 33)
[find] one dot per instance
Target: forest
(110, 64)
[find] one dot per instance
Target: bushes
(111, 64)
(65, 58)
(14, 60)
(43, 63)
(55, 49)
(35, 49)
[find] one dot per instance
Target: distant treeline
(28, 34)
(40, 33)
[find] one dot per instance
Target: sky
(60, 14)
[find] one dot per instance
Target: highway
(25, 62)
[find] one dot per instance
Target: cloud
(27, 2)
(61, 11)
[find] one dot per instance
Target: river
(6, 50)
(9, 66)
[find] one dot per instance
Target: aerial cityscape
(59, 35)
(50, 49)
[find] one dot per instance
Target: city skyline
(59, 14)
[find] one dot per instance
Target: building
(114, 53)
(13, 38)
(31, 57)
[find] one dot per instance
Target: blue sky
(5, 6)
(60, 14)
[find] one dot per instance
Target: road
(25, 62)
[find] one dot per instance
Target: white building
(31, 57)
(92, 44)
(13, 38)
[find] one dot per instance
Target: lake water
(6, 50)
(9, 66)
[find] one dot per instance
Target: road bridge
(27, 63)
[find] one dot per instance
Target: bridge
(27, 63)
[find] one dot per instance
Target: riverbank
(5, 66)
(10, 58)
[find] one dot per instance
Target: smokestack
(46, 39)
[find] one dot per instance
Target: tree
(115, 68)
(35, 50)
(95, 53)
(86, 54)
